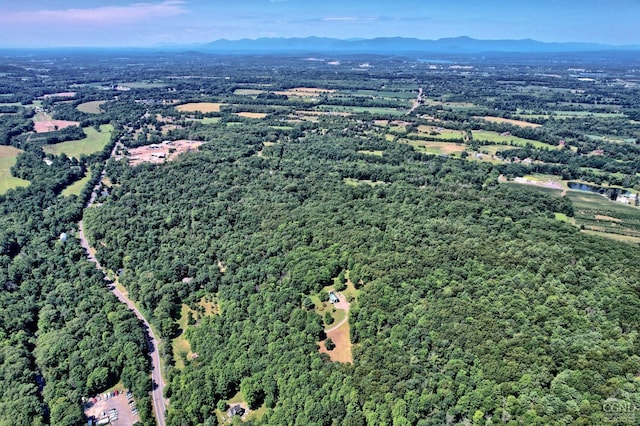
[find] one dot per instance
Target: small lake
(595, 189)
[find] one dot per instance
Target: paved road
(159, 403)
(416, 102)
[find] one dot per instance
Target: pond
(610, 192)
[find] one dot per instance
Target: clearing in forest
(339, 330)
(161, 152)
(43, 123)
(92, 107)
(8, 155)
(508, 139)
(519, 123)
(94, 142)
(305, 92)
(60, 95)
(443, 148)
(251, 114)
(203, 107)
(76, 187)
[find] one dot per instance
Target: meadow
(94, 142)
(203, 107)
(488, 136)
(91, 107)
(8, 155)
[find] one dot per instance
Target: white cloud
(106, 15)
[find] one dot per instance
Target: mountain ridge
(462, 44)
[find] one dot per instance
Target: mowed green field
(358, 110)
(484, 135)
(94, 142)
(76, 187)
(8, 155)
(92, 107)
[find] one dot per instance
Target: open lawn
(143, 85)
(437, 133)
(432, 147)
(203, 107)
(377, 153)
(76, 187)
(360, 110)
(206, 120)
(92, 107)
(8, 155)
(248, 92)
(94, 142)
(519, 123)
(305, 92)
(258, 115)
(507, 139)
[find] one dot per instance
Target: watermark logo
(620, 410)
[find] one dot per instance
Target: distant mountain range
(386, 45)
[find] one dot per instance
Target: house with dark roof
(236, 410)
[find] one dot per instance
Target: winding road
(159, 403)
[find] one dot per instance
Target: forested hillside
(474, 304)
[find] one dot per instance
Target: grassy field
(377, 153)
(8, 155)
(180, 345)
(359, 110)
(431, 147)
(206, 120)
(248, 92)
(258, 115)
(519, 123)
(596, 213)
(202, 107)
(94, 142)
(77, 187)
(92, 107)
(483, 135)
(143, 85)
(437, 133)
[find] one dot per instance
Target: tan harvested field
(519, 123)
(44, 124)
(92, 107)
(304, 92)
(607, 218)
(202, 107)
(159, 153)
(251, 114)
(341, 337)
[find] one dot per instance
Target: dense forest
(471, 302)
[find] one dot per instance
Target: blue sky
(46, 23)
